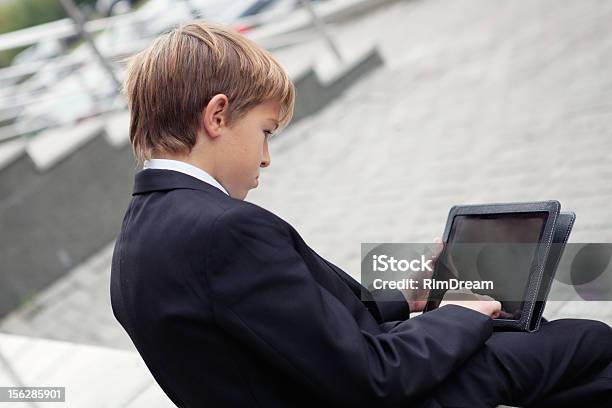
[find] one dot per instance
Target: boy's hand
(480, 303)
(417, 298)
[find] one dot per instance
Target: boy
(227, 304)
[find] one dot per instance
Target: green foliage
(19, 14)
(7, 56)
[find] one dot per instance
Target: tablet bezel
(551, 207)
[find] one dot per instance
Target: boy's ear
(213, 115)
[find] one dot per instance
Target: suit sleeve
(391, 304)
(265, 296)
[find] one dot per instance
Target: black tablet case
(563, 228)
(547, 257)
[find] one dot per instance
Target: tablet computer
(499, 250)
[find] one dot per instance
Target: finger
(439, 246)
(436, 250)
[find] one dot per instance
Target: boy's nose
(265, 161)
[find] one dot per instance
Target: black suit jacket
(229, 307)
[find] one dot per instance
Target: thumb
(438, 247)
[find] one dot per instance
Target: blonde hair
(168, 85)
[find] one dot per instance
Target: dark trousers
(567, 362)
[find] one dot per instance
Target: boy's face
(244, 149)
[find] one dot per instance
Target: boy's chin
(241, 195)
(254, 183)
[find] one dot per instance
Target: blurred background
(404, 109)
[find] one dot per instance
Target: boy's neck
(189, 159)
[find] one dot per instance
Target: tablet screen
(497, 248)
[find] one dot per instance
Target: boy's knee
(599, 330)
(595, 329)
(592, 337)
(578, 326)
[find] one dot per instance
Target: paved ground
(92, 376)
(479, 101)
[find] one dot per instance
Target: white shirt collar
(186, 168)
